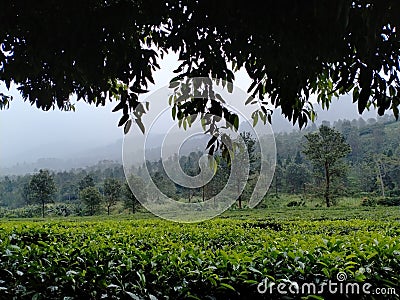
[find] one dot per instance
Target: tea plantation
(241, 255)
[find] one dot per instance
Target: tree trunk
(239, 193)
(133, 207)
(327, 185)
(380, 178)
(43, 209)
(108, 209)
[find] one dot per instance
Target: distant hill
(68, 159)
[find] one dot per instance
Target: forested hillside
(370, 171)
(373, 165)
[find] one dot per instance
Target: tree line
(89, 189)
(358, 158)
(353, 158)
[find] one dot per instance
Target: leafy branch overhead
(196, 97)
(102, 50)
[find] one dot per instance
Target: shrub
(389, 201)
(368, 202)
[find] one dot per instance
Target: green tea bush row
(220, 259)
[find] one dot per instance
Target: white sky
(27, 133)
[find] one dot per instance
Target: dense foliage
(15, 190)
(290, 49)
(373, 164)
(325, 149)
(220, 259)
(40, 189)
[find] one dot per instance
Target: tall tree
(112, 192)
(6, 189)
(352, 136)
(85, 182)
(92, 198)
(130, 199)
(42, 188)
(244, 154)
(325, 149)
(219, 180)
(277, 179)
(8, 184)
(296, 176)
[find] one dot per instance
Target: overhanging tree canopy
(290, 49)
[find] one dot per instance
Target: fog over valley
(32, 139)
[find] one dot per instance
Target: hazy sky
(27, 133)
(25, 129)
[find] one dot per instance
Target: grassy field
(243, 254)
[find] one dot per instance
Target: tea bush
(219, 259)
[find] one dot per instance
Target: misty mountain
(64, 158)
